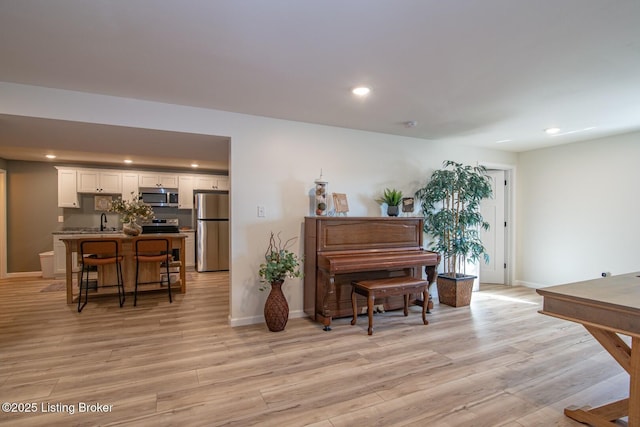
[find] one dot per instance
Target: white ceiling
(468, 72)
(29, 138)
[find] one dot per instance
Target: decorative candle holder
(321, 205)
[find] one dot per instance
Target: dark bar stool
(95, 253)
(152, 249)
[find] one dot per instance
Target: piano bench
(392, 286)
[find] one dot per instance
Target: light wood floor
(497, 363)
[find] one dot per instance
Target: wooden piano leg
(325, 320)
(427, 302)
(431, 273)
(325, 317)
(430, 270)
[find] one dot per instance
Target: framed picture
(340, 203)
(407, 204)
(102, 203)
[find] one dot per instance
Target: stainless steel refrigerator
(211, 217)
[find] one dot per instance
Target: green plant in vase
(393, 199)
(279, 263)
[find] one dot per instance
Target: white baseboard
(25, 274)
(529, 284)
(253, 320)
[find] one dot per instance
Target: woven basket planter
(276, 308)
(455, 292)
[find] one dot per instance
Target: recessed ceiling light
(50, 156)
(194, 165)
(128, 161)
(361, 91)
(502, 141)
(552, 131)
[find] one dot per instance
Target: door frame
(509, 217)
(3, 223)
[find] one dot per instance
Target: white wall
(578, 211)
(273, 163)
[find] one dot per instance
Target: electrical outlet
(261, 213)
(60, 218)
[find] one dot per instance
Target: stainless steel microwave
(159, 196)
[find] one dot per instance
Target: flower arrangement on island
(131, 209)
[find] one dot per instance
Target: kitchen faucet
(103, 221)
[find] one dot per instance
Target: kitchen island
(128, 265)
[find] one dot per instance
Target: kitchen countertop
(108, 230)
(96, 231)
(88, 230)
(73, 237)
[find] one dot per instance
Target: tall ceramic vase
(276, 308)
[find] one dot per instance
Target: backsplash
(87, 216)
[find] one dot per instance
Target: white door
(492, 211)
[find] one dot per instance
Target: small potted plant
(279, 263)
(451, 206)
(393, 199)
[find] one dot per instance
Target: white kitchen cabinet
(129, 185)
(99, 181)
(204, 182)
(190, 249)
(223, 183)
(67, 188)
(185, 192)
(211, 182)
(165, 180)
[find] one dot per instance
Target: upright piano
(338, 250)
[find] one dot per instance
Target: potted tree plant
(392, 198)
(279, 263)
(450, 203)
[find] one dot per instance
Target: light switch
(261, 213)
(60, 218)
